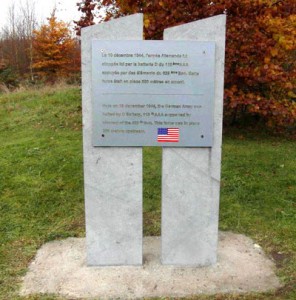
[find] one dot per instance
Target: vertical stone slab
(191, 176)
(112, 176)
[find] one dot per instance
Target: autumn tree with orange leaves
(260, 81)
(56, 52)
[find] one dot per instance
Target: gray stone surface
(191, 176)
(60, 268)
(112, 176)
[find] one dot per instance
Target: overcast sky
(66, 9)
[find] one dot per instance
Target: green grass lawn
(41, 187)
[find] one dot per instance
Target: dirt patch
(280, 258)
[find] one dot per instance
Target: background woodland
(260, 81)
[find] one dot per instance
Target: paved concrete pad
(60, 268)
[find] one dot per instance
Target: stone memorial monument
(152, 93)
(191, 176)
(112, 176)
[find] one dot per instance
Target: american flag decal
(168, 135)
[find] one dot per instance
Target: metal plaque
(153, 93)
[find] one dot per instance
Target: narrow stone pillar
(191, 176)
(112, 176)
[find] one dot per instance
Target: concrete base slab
(60, 268)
